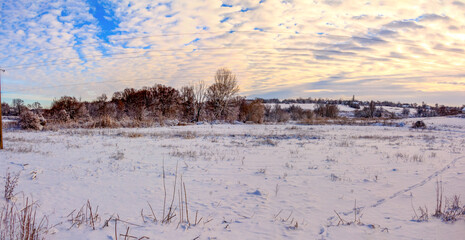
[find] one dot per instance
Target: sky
(407, 51)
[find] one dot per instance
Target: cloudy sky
(409, 51)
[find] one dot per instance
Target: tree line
(159, 103)
(199, 102)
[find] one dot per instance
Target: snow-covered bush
(30, 120)
(105, 122)
(62, 116)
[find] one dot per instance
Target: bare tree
(371, 109)
(102, 98)
(188, 103)
(222, 91)
(18, 104)
(200, 93)
(5, 109)
(36, 105)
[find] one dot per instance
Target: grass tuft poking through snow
(11, 181)
(19, 220)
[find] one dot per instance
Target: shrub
(327, 110)
(62, 116)
(30, 120)
(298, 113)
(371, 112)
(276, 114)
(73, 107)
(354, 105)
(105, 122)
(361, 113)
(405, 112)
(252, 111)
(419, 124)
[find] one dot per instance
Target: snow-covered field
(245, 181)
(344, 110)
(311, 106)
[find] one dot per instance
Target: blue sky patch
(171, 14)
(202, 27)
(191, 42)
(104, 15)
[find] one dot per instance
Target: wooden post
(1, 120)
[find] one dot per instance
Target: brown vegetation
(164, 105)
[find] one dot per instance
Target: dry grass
(449, 210)
(11, 181)
(377, 137)
(102, 122)
(186, 135)
(85, 216)
(292, 223)
(19, 222)
(184, 154)
(423, 215)
(10, 125)
(439, 192)
(356, 220)
(22, 223)
(269, 142)
(170, 210)
(334, 177)
(417, 158)
(133, 134)
(127, 235)
(119, 155)
(349, 121)
(407, 158)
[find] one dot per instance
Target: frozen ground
(246, 181)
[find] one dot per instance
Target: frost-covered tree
(221, 93)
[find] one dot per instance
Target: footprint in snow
(257, 193)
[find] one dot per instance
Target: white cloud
(274, 46)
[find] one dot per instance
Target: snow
(344, 109)
(246, 181)
(8, 120)
(398, 110)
